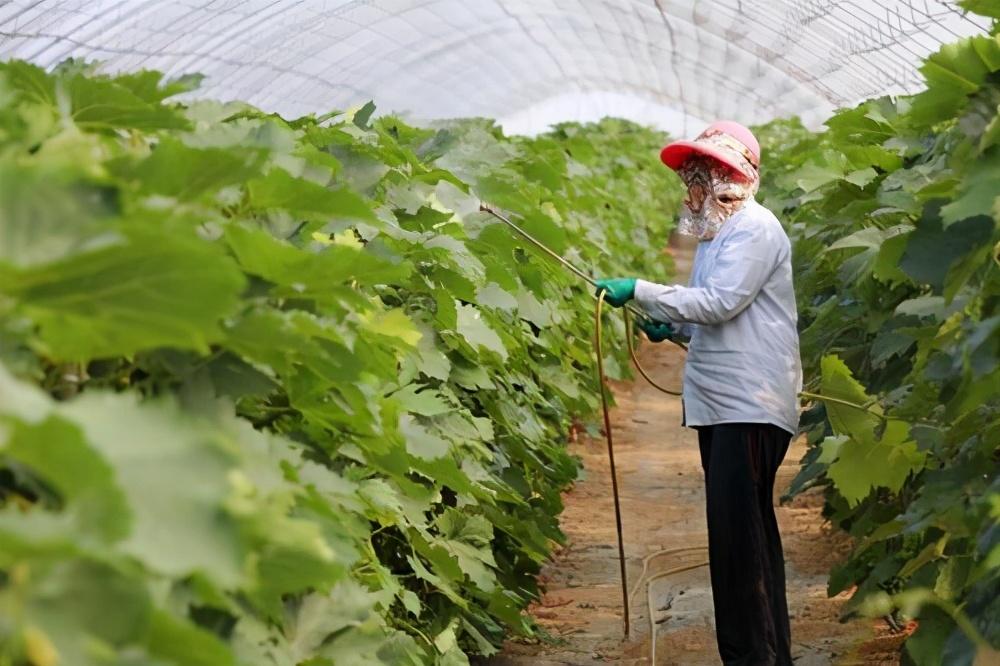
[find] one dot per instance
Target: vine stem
(864, 408)
(416, 631)
(841, 401)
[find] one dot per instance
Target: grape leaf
(177, 528)
(493, 296)
(984, 8)
(308, 273)
(477, 332)
(44, 218)
(146, 292)
(952, 73)
(430, 359)
(886, 264)
(395, 324)
(100, 103)
(279, 189)
(82, 604)
(856, 422)
(421, 442)
(30, 81)
(176, 170)
(55, 450)
(185, 643)
(467, 539)
(319, 617)
(886, 463)
(425, 402)
(927, 643)
(150, 85)
(977, 194)
(932, 249)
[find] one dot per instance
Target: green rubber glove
(656, 331)
(618, 291)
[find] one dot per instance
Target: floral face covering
(715, 193)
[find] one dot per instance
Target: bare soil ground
(662, 494)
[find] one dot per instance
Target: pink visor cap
(726, 141)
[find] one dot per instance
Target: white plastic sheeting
(674, 64)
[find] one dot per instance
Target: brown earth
(662, 496)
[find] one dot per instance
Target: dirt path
(661, 485)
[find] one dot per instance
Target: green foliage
(896, 228)
(276, 392)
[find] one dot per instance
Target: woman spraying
(741, 378)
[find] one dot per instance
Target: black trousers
(748, 568)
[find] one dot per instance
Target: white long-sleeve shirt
(743, 362)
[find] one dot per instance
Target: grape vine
(275, 391)
(893, 211)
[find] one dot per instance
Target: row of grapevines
(275, 391)
(894, 215)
